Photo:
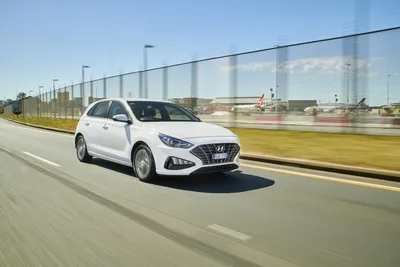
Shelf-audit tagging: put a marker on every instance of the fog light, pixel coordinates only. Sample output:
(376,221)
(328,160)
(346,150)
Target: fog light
(173,163)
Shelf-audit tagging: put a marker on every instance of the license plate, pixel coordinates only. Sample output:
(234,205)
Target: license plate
(220,156)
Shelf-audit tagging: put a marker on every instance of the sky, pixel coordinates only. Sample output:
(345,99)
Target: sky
(45,40)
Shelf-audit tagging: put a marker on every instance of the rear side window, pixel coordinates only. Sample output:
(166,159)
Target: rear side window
(100,110)
(90,112)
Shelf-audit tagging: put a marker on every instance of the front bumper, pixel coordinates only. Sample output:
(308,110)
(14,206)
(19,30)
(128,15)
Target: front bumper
(188,163)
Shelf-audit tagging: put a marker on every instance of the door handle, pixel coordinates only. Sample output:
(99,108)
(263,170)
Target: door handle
(87,124)
(105,127)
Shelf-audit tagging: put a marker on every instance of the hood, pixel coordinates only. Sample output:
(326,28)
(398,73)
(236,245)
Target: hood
(183,130)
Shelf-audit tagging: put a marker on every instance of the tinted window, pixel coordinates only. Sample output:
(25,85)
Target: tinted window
(101,109)
(116,109)
(90,113)
(160,111)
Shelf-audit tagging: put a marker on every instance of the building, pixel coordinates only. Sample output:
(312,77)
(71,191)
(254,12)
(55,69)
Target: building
(247,100)
(190,102)
(300,105)
(63,98)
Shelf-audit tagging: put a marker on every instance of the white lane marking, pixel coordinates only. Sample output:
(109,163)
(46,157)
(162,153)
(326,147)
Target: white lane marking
(229,232)
(39,131)
(326,178)
(42,159)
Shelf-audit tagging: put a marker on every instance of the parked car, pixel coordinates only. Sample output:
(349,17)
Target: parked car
(155,138)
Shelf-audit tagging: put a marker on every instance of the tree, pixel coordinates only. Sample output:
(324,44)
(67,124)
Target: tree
(21,95)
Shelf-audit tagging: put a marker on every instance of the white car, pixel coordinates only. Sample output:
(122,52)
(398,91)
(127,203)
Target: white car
(155,138)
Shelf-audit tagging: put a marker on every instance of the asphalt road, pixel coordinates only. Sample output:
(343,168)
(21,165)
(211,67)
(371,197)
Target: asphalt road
(55,211)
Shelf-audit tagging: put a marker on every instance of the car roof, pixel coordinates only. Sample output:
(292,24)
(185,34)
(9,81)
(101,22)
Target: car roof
(132,99)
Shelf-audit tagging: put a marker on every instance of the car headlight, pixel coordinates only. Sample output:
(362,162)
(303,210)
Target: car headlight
(174,142)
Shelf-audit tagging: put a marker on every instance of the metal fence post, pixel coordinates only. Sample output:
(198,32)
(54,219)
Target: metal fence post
(49,110)
(59,102)
(105,87)
(41,99)
(91,91)
(54,103)
(277,78)
(47,104)
(349,66)
(193,87)
(22,108)
(140,84)
(81,94)
(73,100)
(233,81)
(37,106)
(145,83)
(121,85)
(65,102)
(281,81)
(165,82)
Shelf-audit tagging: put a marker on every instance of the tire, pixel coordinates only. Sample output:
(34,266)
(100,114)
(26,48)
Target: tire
(143,164)
(81,150)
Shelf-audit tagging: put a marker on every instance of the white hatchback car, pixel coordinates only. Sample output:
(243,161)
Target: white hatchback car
(154,137)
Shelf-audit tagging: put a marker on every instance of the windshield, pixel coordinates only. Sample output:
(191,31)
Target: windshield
(160,111)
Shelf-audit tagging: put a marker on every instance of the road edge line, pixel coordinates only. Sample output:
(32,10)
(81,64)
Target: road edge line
(392,176)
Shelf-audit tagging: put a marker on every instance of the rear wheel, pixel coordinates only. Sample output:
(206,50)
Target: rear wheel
(143,163)
(81,150)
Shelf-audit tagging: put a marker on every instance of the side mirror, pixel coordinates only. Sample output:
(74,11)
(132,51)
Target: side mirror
(121,118)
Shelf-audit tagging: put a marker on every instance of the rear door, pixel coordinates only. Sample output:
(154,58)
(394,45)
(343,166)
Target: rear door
(95,123)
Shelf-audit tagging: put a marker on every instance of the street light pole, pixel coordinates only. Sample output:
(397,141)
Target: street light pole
(388,96)
(145,47)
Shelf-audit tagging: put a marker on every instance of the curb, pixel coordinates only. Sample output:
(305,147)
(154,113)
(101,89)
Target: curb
(299,163)
(393,176)
(40,127)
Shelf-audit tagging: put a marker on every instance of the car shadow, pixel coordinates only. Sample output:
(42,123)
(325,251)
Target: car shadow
(112,166)
(215,183)
(208,183)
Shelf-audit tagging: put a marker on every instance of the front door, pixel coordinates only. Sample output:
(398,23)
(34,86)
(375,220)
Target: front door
(117,135)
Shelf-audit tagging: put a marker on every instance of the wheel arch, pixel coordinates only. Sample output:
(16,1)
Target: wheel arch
(138,143)
(76,138)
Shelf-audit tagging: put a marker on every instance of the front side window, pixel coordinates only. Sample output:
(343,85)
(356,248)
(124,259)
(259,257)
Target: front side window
(101,109)
(116,109)
(160,111)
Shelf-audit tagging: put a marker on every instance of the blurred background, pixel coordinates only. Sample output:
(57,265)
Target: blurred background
(331,64)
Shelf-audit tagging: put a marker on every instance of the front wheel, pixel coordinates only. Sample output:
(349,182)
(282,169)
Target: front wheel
(81,150)
(143,163)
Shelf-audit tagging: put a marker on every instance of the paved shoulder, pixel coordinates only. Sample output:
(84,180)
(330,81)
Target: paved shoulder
(46,224)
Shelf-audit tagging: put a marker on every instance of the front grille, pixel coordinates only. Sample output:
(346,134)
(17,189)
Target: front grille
(216,169)
(205,152)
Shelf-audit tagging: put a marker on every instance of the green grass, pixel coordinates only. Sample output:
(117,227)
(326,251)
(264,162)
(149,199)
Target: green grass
(47,122)
(356,150)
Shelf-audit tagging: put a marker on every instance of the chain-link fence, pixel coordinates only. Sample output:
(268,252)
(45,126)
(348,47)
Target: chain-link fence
(321,83)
